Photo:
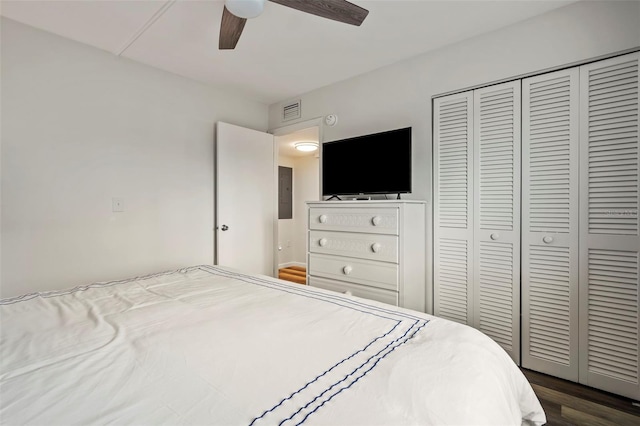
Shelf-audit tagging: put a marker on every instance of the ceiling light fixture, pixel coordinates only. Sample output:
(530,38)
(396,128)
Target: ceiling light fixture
(306,146)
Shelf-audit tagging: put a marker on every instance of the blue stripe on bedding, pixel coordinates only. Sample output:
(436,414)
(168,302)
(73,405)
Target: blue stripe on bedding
(322,374)
(388,349)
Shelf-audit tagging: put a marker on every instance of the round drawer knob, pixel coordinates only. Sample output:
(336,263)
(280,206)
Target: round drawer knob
(322,242)
(494,236)
(376,220)
(347,270)
(375,247)
(323,218)
(547,239)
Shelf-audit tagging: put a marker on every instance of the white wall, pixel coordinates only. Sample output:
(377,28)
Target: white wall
(80,126)
(400,94)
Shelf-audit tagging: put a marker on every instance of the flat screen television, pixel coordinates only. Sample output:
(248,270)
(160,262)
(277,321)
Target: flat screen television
(378,163)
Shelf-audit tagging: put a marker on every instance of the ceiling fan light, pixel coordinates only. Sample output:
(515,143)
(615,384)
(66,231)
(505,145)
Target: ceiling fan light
(245,8)
(306,146)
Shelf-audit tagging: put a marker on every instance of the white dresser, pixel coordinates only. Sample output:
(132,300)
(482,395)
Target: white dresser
(372,249)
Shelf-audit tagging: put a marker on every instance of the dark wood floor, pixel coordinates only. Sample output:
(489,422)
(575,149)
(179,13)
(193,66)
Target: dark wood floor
(566,403)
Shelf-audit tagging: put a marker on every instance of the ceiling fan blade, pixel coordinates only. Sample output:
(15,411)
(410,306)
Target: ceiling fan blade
(338,10)
(230,30)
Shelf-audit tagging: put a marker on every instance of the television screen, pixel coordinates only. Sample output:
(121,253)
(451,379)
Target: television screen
(379,163)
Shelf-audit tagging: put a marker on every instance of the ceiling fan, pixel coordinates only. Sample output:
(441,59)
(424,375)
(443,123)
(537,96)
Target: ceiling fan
(236,13)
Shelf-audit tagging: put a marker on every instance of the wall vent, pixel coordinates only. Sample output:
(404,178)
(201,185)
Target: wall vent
(291,111)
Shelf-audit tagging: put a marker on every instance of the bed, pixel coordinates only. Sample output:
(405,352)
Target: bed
(211,345)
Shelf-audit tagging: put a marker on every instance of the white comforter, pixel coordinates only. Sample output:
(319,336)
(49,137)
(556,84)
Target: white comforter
(208,345)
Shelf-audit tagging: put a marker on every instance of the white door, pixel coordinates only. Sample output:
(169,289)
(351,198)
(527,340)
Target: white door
(550,108)
(246,196)
(496,219)
(609,225)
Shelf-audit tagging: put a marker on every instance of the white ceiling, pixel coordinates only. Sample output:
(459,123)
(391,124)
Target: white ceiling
(283,52)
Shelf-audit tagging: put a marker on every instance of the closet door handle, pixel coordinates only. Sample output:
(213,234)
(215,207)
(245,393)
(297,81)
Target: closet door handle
(547,239)
(347,270)
(494,236)
(323,218)
(322,242)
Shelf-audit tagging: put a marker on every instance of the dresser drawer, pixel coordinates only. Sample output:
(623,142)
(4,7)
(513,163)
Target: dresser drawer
(378,221)
(365,246)
(368,272)
(371,293)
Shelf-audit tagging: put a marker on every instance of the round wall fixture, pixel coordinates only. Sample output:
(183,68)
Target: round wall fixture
(331,120)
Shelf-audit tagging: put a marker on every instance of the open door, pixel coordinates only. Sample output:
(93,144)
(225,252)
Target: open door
(246,196)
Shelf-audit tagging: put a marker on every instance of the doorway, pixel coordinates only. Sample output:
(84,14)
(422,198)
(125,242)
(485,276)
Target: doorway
(305,166)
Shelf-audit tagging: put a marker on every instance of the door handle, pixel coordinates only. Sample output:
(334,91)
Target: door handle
(224,227)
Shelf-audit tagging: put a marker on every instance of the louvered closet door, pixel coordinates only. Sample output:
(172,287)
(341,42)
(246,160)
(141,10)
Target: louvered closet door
(550,108)
(497,214)
(609,228)
(453,226)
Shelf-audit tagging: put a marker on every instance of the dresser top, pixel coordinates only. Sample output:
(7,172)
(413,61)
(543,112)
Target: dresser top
(365,202)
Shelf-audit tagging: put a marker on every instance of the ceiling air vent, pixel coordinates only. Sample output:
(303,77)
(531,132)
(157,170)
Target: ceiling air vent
(291,111)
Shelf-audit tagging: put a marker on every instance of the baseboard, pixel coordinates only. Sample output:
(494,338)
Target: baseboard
(287,264)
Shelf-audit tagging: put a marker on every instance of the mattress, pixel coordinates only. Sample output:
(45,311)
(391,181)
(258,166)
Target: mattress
(211,345)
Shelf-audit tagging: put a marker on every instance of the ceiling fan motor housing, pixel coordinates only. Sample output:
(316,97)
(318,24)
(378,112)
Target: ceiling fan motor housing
(245,8)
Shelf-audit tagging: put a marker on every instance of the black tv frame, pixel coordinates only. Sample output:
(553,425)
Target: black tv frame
(364,139)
